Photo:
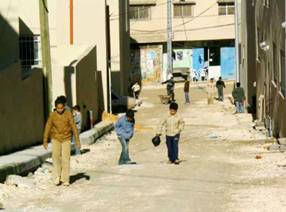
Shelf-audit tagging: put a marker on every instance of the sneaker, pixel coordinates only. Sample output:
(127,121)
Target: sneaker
(57,181)
(66,184)
(177,162)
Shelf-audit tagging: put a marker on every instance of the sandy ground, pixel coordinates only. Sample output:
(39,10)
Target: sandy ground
(219,169)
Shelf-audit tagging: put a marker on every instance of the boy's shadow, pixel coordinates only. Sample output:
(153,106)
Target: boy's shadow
(76,177)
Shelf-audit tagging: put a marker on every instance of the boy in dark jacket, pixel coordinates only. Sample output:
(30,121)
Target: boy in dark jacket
(124,129)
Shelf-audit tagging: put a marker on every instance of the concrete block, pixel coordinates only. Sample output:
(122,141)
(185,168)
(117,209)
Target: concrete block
(90,136)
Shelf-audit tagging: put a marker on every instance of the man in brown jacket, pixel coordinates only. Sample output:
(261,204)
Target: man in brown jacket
(59,128)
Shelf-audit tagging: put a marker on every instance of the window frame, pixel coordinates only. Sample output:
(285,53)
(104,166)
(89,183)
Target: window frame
(226,6)
(191,4)
(146,8)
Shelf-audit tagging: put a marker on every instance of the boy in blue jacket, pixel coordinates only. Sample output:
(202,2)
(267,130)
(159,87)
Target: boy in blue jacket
(124,129)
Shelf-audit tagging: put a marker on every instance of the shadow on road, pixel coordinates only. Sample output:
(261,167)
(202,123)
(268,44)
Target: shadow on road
(76,177)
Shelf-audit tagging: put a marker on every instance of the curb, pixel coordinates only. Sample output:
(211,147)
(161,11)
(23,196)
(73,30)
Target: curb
(90,136)
(22,162)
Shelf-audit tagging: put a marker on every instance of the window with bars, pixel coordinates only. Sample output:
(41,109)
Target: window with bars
(29,47)
(140,12)
(183,10)
(266,3)
(226,8)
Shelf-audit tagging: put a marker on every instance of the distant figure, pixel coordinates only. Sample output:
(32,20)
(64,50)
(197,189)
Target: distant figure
(59,128)
(170,87)
(172,125)
(211,91)
(136,90)
(124,129)
(220,85)
(203,74)
(77,119)
(187,90)
(239,98)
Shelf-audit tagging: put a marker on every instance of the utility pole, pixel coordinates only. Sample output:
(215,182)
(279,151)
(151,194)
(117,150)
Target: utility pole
(46,56)
(169,38)
(236,17)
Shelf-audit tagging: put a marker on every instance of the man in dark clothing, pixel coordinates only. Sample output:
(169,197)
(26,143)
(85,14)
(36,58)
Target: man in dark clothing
(170,87)
(239,98)
(187,90)
(220,85)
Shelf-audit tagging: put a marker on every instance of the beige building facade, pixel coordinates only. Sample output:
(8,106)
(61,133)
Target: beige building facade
(79,54)
(207,24)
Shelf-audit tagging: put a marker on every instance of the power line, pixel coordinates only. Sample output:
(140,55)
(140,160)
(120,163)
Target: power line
(188,30)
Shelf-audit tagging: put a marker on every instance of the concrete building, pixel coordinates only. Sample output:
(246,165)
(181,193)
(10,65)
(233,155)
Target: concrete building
(263,61)
(247,49)
(119,30)
(203,35)
(80,56)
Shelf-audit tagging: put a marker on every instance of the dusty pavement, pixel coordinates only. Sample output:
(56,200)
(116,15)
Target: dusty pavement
(219,169)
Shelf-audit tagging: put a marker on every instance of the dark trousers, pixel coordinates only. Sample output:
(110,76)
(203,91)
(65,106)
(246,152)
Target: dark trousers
(173,147)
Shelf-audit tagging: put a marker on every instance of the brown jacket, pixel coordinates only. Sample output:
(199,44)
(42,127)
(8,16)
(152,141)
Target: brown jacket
(61,127)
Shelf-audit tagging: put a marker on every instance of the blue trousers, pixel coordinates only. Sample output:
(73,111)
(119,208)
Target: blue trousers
(124,156)
(239,107)
(173,147)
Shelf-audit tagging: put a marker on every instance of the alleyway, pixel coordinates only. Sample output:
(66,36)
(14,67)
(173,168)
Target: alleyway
(219,169)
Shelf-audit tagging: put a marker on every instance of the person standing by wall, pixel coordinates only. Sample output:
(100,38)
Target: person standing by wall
(239,98)
(187,90)
(59,128)
(77,119)
(211,91)
(220,85)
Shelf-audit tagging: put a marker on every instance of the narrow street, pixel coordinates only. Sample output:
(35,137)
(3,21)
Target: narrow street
(219,169)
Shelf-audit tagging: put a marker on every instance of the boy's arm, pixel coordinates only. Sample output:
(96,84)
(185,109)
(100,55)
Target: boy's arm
(74,130)
(181,124)
(160,127)
(47,131)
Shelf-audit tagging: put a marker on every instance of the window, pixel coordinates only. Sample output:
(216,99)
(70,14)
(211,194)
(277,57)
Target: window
(140,12)
(29,46)
(183,10)
(266,3)
(226,8)
(282,71)
(274,61)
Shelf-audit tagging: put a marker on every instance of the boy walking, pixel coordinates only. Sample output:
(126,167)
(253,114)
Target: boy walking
(59,129)
(124,129)
(173,125)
